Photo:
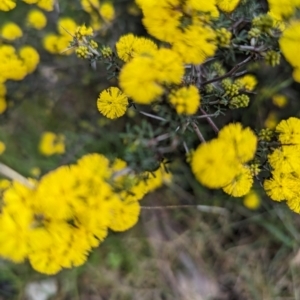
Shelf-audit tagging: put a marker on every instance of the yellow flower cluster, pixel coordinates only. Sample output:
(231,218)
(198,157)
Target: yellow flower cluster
(51,143)
(143,77)
(285,163)
(55,223)
(58,43)
(183,24)
(221,163)
(99,12)
(15,66)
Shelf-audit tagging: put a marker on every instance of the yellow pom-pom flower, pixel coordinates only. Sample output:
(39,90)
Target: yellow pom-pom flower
(289,131)
(47,5)
(30,58)
(142,77)
(107,11)
(247,82)
(125,214)
(186,100)
(51,144)
(112,103)
(130,46)
(227,6)
(6,5)
(36,19)
(240,184)
(244,141)
(11,31)
(252,200)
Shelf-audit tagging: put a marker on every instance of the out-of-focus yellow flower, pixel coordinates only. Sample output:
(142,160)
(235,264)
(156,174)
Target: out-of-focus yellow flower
(142,77)
(35,171)
(6,5)
(52,143)
(129,46)
(240,184)
(90,5)
(47,5)
(107,11)
(227,5)
(280,100)
(252,200)
(30,1)
(11,31)
(247,82)
(2,147)
(271,120)
(289,45)
(30,58)
(186,100)
(67,26)
(4,184)
(36,19)
(125,215)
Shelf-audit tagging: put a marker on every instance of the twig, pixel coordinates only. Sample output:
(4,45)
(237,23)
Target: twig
(151,116)
(198,132)
(232,71)
(203,208)
(206,116)
(13,175)
(210,121)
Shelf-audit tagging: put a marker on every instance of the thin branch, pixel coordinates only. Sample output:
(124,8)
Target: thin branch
(151,116)
(203,208)
(13,175)
(206,116)
(198,132)
(231,72)
(210,121)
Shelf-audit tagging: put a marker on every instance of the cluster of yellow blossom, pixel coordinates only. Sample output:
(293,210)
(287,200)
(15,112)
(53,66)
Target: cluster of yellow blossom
(143,77)
(51,143)
(222,162)
(48,5)
(56,221)
(285,163)
(15,65)
(58,43)
(99,12)
(183,24)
